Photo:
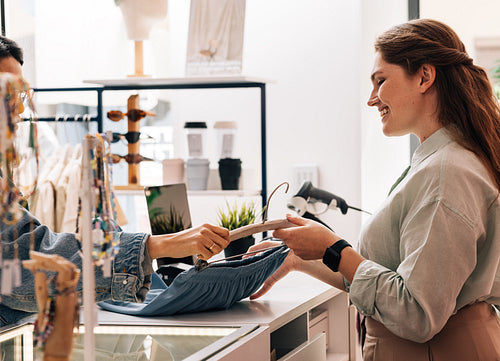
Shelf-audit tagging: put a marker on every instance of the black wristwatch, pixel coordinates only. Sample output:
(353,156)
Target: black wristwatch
(331,258)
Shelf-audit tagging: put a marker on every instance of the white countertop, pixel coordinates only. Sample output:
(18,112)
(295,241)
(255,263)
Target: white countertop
(290,297)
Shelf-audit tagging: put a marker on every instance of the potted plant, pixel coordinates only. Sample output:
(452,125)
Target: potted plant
(234,217)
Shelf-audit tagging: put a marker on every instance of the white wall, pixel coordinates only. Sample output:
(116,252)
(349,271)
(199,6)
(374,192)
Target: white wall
(310,50)
(472,19)
(383,158)
(310,53)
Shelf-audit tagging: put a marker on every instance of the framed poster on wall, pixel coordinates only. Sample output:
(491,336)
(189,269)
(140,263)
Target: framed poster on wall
(215,40)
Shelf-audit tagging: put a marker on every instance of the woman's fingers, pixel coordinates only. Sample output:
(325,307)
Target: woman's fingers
(263,290)
(215,235)
(288,265)
(261,245)
(299,221)
(212,241)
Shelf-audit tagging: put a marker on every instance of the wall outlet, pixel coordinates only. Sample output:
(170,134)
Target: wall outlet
(305,172)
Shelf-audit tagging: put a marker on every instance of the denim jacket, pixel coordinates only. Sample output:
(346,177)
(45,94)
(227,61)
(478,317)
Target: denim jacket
(131,271)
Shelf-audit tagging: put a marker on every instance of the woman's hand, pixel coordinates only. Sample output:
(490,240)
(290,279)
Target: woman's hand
(291,263)
(204,241)
(308,241)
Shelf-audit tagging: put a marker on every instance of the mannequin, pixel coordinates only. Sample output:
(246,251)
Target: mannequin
(139,17)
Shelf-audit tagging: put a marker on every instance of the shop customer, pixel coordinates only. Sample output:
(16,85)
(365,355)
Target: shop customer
(132,267)
(426,273)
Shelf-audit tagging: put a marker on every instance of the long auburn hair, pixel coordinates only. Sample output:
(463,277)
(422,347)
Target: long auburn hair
(465,96)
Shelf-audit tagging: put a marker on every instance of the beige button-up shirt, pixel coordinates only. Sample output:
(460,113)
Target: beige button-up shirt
(433,247)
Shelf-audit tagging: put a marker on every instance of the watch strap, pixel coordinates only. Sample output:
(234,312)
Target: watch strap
(331,258)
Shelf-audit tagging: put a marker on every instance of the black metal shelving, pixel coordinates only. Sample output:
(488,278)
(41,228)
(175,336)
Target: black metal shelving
(180,83)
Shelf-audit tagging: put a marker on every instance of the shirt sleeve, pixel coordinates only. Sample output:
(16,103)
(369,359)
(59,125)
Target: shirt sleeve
(438,252)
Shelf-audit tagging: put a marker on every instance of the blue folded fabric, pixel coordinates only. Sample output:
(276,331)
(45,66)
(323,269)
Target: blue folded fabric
(216,287)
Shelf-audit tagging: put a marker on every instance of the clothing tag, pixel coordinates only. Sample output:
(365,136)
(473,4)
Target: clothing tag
(106,267)
(4,143)
(6,287)
(16,272)
(97,236)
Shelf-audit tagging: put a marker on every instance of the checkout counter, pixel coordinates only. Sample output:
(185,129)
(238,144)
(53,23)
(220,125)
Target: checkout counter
(300,318)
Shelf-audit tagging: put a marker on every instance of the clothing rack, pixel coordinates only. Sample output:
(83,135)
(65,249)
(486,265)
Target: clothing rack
(74,118)
(81,118)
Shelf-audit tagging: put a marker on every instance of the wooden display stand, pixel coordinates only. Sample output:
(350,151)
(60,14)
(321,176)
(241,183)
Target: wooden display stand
(134,174)
(139,60)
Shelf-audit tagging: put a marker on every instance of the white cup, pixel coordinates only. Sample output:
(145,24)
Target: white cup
(226,132)
(197,170)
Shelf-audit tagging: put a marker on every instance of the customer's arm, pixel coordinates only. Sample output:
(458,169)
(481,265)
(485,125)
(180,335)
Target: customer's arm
(131,271)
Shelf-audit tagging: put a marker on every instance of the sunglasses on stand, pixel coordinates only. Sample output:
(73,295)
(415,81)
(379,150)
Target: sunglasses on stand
(129,158)
(133,115)
(130,137)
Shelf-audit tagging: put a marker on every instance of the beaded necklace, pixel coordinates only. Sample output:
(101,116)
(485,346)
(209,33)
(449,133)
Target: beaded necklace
(104,235)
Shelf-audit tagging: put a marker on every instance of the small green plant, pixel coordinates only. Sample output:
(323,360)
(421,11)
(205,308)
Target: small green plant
(165,224)
(235,217)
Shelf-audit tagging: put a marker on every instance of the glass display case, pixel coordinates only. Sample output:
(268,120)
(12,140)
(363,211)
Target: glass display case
(16,343)
(138,343)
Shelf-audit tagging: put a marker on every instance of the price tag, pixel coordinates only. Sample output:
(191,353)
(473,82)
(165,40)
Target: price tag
(97,236)
(106,267)
(16,272)
(6,287)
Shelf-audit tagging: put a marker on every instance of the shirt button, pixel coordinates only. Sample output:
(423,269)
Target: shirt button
(124,282)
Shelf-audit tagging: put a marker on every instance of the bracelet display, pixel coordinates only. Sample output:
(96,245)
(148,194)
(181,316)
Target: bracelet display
(331,258)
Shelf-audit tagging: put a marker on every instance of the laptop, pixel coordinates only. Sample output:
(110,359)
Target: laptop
(168,212)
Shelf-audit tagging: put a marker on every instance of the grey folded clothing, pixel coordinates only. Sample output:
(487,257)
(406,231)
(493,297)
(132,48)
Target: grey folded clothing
(216,287)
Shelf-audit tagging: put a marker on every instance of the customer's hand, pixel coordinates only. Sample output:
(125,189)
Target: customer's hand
(310,240)
(204,241)
(291,263)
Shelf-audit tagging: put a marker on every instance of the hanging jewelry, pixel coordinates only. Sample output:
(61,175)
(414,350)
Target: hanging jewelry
(105,238)
(11,106)
(42,331)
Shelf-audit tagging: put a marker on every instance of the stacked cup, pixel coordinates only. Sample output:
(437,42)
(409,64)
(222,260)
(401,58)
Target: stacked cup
(197,164)
(229,167)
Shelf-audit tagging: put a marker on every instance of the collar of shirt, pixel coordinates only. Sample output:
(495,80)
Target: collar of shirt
(431,145)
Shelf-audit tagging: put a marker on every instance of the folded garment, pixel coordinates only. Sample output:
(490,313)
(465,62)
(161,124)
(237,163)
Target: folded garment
(216,287)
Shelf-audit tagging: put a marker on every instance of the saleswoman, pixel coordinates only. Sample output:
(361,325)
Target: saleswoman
(426,274)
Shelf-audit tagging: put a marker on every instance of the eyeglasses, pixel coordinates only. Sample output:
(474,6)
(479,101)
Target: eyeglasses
(129,158)
(131,137)
(133,115)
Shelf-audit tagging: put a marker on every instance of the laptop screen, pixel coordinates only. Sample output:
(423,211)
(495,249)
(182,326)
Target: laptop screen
(168,212)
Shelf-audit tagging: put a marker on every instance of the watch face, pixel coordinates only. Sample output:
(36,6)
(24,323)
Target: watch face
(331,259)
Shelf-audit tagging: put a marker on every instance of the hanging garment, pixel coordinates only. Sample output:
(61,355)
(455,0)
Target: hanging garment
(67,193)
(48,144)
(216,287)
(45,202)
